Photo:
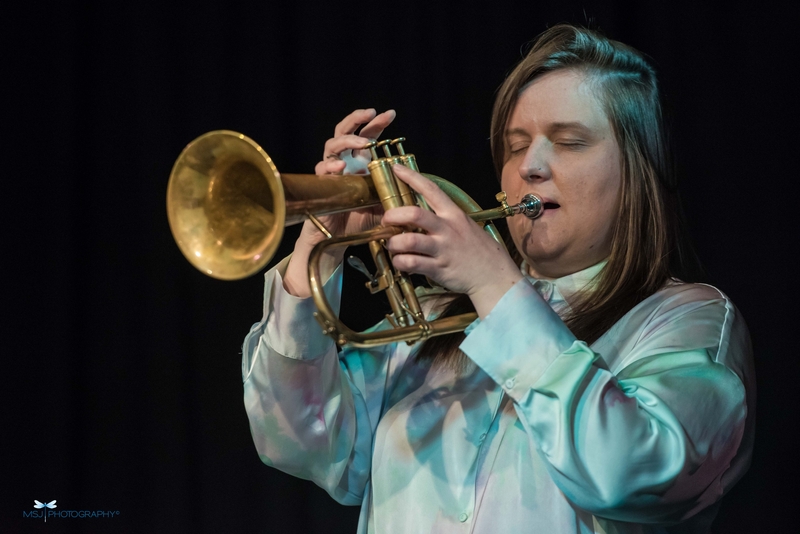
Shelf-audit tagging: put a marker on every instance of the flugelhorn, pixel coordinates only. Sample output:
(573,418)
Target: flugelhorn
(227,206)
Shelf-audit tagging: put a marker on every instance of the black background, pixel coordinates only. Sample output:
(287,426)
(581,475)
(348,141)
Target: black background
(121,376)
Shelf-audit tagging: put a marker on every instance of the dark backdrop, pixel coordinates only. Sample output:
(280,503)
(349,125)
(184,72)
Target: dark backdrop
(121,363)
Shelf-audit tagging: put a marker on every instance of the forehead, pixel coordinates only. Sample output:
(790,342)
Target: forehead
(562,96)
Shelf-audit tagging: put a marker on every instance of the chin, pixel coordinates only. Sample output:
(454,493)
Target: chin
(537,249)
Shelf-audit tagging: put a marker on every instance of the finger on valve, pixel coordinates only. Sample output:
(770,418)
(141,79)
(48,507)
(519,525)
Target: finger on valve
(336,145)
(435,197)
(344,153)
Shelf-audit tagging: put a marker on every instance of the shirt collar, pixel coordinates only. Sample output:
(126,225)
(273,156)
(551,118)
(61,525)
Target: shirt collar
(561,290)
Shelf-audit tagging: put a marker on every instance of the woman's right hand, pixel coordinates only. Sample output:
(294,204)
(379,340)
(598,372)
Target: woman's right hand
(343,154)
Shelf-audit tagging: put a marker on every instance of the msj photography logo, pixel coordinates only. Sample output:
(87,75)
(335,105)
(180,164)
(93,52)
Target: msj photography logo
(48,509)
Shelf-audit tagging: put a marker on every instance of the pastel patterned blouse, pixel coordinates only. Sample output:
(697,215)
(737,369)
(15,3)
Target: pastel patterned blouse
(642,431)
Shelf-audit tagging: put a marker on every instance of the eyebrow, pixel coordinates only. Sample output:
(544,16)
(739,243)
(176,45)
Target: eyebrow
(516,131)
(575,125)
(554,128)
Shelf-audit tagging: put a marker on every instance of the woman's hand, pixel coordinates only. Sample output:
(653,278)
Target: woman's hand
(454,250)
(343,154)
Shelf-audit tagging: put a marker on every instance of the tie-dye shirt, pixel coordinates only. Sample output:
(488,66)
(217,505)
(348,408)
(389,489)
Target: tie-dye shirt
(641,432)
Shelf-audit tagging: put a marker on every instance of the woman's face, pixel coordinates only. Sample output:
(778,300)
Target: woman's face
(561,147)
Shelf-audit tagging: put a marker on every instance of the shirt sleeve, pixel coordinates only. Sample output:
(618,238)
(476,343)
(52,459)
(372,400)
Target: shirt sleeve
(649,441)
(312,411)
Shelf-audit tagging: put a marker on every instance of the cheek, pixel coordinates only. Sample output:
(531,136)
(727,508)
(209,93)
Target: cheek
(609,196)
(601,192)
(510,182)
(603,215)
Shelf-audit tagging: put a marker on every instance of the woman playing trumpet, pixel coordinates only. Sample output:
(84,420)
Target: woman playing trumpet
(596,392)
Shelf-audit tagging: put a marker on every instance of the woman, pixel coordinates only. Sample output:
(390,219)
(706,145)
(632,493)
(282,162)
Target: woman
(595,393)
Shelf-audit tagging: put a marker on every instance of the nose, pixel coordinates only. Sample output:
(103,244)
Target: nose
(534,165)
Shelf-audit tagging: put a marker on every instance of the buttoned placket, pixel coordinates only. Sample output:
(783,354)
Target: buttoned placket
(487,451)
(502,415)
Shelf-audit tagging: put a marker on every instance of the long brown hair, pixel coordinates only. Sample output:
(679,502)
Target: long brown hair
(645,250)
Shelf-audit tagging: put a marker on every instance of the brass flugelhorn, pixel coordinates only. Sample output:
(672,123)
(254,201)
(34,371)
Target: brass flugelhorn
(227,206)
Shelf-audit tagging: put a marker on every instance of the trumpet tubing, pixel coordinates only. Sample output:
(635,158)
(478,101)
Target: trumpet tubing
(228,205)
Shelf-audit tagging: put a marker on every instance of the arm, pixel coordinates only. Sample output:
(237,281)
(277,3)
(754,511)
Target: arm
(311,415)
(641,427)
(655,437)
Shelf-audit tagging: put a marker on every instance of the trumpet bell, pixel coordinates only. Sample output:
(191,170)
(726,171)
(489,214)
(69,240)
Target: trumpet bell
(225,205)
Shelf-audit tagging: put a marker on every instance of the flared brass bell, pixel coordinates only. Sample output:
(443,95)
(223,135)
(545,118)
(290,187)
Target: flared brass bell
(227,204)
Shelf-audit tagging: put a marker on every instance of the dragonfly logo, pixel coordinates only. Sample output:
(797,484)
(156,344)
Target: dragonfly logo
(51,505)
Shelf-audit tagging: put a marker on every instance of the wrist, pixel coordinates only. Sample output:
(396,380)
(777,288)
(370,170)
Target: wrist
(486,296)
(295,280)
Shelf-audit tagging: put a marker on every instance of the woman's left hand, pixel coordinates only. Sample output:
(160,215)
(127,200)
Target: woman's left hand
(454,251)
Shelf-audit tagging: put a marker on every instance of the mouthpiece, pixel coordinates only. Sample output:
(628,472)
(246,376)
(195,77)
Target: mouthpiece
(530,206)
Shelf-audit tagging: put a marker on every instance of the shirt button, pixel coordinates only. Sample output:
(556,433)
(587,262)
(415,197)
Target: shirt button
(510,383)
(463,517)
(482,437)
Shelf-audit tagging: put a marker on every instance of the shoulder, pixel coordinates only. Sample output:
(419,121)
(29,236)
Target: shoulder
(684,303)
(702,311)
(678,291)
(681,317)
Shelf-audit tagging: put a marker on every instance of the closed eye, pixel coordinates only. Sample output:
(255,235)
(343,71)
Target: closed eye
(571,145)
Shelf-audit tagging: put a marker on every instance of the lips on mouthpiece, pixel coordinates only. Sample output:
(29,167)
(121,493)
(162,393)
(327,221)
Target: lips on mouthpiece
(551,205)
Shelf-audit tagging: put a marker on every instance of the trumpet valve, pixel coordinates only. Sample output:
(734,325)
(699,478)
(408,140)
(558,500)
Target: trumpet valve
(385,145)
(372,147)
(399,145)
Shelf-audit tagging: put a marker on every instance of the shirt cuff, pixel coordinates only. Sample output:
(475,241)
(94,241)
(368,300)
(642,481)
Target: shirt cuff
(292,330)
(518,340)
